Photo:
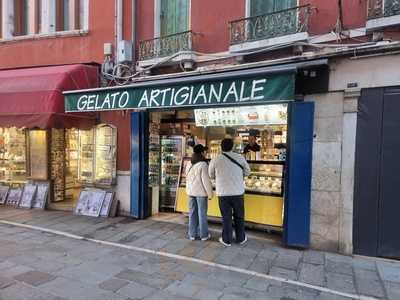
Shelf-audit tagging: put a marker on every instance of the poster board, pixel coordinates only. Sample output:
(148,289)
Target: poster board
(3,193)
(90,202)
(28,195)
(41,196)
(107,204)
(14,196)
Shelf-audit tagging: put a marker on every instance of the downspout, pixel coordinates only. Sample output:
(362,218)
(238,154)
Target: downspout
(133,37)
(119,18)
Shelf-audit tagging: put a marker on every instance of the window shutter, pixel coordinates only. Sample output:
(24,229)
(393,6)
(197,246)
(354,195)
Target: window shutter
(261,7)
(174,16)
(284,4)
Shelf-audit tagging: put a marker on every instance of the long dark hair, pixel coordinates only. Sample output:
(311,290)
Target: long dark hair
(197,157)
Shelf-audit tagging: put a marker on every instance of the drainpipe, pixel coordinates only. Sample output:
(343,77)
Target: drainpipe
(118,25)
(133,37)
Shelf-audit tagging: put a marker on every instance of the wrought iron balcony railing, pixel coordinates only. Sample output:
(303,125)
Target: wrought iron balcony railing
(383,8)
(166,45)
(276,24)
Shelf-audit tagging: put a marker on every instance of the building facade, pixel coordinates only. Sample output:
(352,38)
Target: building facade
(343,52)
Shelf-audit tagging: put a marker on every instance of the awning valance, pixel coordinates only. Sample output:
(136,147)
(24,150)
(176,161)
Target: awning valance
(32,97)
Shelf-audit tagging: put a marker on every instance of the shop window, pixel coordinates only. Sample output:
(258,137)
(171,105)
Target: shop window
(106,146)
(174,16)
(38,154)
(13,148)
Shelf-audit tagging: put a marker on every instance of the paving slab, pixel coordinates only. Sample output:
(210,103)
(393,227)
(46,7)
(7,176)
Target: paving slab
(35,278)
(113,284)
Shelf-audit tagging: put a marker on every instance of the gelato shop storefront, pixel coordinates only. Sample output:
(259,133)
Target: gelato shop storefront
(256,107)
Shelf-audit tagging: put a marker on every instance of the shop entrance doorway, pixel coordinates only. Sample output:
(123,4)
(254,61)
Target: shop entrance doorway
(376,204)
(260,134)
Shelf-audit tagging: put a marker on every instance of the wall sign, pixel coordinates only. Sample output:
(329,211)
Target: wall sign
(249,90)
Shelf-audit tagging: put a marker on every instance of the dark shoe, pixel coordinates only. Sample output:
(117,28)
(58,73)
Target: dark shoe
(223,243)
(244,241)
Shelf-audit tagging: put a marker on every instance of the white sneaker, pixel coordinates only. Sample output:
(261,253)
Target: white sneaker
(206,238)
(192,238)
(244,241)
(223,243)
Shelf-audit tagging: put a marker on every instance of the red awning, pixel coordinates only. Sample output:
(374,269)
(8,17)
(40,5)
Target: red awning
(32,98)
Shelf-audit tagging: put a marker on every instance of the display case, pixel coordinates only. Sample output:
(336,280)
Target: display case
(266,177)
(154,160)
(86,156)
(106,149)
(13,164)
(171,158)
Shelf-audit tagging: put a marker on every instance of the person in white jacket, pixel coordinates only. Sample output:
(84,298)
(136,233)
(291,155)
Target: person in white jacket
(199,190)
(229,169)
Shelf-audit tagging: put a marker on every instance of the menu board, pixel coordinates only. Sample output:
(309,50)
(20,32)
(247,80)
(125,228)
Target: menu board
(3,193)
(90,202)
(14,196)
(28,196)
(242,115)
(38,154)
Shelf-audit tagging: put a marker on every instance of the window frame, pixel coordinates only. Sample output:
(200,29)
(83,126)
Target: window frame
(248,7)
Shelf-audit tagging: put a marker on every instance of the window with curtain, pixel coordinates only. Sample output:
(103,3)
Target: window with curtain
(1,19)
(261,7)
(67,15)
(174,15)
(21,17)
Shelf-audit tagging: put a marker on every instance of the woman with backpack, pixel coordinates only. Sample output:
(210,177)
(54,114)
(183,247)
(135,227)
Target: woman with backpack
(199,190)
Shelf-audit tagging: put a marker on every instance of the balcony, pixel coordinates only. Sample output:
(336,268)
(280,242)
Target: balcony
(383,13)
(179,47)
(285,26)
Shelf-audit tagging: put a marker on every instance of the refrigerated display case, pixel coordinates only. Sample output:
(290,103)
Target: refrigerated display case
(266,178)
(86,156)
(154,160)
(172,149)
(106,149)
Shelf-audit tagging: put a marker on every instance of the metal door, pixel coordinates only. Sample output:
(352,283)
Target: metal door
(296,231)
(389,200)
(376,200)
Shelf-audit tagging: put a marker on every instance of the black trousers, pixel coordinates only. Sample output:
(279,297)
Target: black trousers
(229,205)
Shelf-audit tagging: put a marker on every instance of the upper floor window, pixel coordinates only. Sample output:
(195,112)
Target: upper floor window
(21,17)
(174,16)
(262,7)
(26,17)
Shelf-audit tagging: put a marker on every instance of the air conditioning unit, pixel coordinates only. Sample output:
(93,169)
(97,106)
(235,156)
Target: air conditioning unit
(124,51)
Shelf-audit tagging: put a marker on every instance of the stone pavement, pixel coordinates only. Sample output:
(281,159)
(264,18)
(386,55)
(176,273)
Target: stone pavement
(41,265)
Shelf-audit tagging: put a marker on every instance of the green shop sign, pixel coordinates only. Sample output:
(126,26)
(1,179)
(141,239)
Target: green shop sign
(249,90)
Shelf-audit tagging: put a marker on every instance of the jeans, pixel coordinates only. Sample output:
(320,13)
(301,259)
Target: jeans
(227,205)
(198,225)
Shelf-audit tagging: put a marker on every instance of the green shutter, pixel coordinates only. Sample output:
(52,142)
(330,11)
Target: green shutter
(284,4)
(261,7)
(174,16)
